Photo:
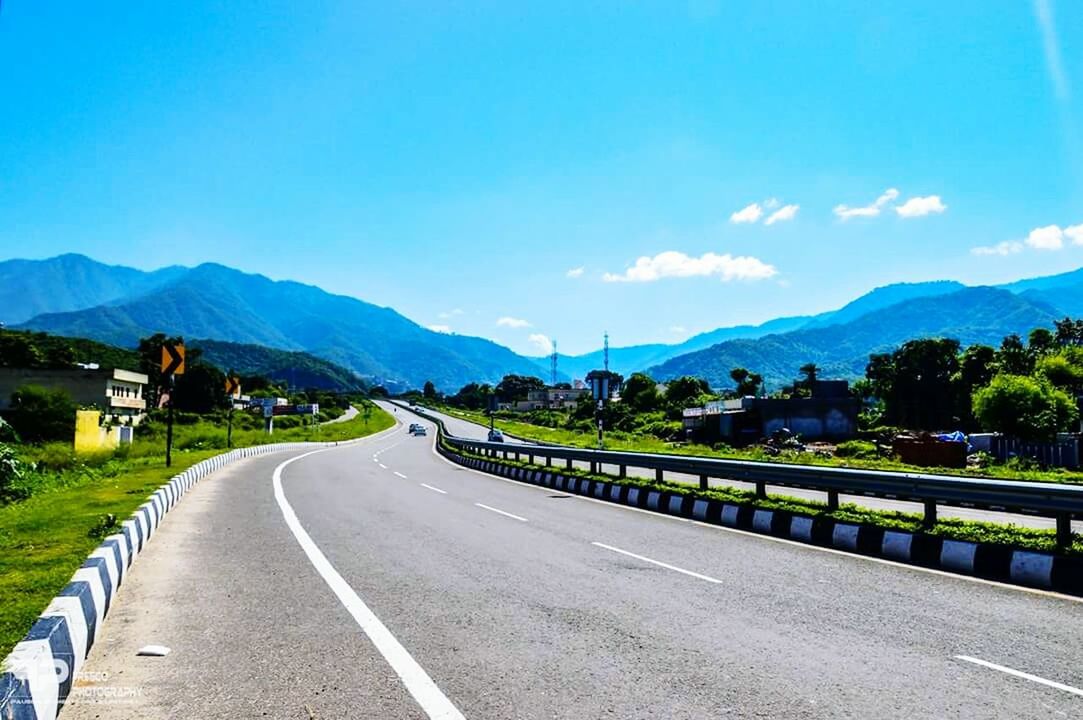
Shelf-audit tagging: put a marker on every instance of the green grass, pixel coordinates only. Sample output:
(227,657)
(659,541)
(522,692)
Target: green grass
(950,528)
(633,442)
(45,537)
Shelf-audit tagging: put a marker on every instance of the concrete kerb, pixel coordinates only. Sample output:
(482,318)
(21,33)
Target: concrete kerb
(985,560)
(37,676)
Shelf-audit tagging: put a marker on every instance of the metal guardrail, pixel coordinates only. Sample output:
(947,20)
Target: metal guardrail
(1060,501)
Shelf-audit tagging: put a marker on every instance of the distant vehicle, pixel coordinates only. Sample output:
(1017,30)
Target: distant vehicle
(413,426)
(496,436)
(419,431)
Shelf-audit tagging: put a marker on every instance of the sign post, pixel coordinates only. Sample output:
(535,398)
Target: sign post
(172,365)
(233,391)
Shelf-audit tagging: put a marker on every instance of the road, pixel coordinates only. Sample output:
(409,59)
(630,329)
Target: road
(467,429)
(378,580)
(350,414)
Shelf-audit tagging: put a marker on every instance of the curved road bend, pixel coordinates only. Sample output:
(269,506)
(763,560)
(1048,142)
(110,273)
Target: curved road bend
(447,593)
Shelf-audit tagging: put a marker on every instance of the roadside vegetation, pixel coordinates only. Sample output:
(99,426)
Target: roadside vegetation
(56,506)
(949,528)
(1025,388)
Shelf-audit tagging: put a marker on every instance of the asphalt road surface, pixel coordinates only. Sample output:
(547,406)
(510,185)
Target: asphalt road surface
(378,580)
(467,429)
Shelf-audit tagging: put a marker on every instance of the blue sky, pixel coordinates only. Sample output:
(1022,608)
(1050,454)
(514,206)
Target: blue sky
(457,162)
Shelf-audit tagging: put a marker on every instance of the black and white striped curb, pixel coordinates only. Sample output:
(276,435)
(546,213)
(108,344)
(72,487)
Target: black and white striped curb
(986,560)
(36,678)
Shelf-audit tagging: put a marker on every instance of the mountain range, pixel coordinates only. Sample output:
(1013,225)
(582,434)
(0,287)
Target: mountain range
(76,296)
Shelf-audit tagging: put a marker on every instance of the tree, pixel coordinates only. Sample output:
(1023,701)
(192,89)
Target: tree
(640,392)
(41,414)
(1040,341)
(686,391)
(515,387)
(1063,370)
(915,383)
(810,372)
(429,391)
(1013,358)
(1068,331)
(748,383)
(1025,407)
(977,365)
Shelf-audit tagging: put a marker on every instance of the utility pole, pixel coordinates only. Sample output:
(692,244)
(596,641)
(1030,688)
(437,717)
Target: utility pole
(169,424)
(606,349)
(553,366)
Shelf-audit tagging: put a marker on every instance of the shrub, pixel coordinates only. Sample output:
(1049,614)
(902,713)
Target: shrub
(1026,407)
(11,472)
(39,414)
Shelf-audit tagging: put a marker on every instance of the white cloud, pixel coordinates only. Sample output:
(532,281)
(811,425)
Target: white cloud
(676,264)
(1050,237)
(784,213)
(541,342)
(1075,234)
(575,272)
(448,314)
(771,203)
(1008,247)
(440,329)
(512,322)
(920,206)
(845,212)
(1044,10)
(749,214)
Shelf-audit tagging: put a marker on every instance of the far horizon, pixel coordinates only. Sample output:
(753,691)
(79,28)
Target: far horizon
(615,343)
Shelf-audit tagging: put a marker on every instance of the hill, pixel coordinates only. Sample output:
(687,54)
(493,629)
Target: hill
(292,368)
(70,282)
(970,315)
(213,301)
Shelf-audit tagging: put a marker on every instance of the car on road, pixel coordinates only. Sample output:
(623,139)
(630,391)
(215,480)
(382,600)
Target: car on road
(496,436)
(417,429)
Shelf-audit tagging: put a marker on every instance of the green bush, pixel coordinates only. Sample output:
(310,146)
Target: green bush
(39,414)
(11,472)
(1027,407)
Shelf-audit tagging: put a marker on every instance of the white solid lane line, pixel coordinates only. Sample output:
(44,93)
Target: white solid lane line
(659,564)
(400,475)
(434,489)
(1020,674)
(383,466)
(507,514)
(431,699)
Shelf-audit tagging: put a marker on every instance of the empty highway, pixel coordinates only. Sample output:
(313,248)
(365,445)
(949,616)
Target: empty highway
(377,580)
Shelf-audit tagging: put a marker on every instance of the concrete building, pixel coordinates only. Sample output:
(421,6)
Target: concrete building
(119,394)
(551,399)
(830,414)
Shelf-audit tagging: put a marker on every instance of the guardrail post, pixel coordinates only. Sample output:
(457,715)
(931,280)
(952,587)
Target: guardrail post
(568,464)
(761,489)
(930,513)
(548,461)
(593,467)
(658,475)
(516,456)
(623,472)
(702,482)
(1064,531)
(530,458)
(832,500)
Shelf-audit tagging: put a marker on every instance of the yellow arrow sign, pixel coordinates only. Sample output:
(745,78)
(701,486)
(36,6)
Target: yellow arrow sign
(233,386)
(173,359)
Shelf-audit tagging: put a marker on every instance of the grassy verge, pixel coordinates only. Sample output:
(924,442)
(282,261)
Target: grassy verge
(46,536)
(645,443)
(950,528)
